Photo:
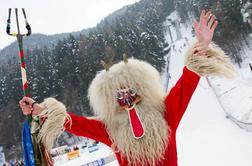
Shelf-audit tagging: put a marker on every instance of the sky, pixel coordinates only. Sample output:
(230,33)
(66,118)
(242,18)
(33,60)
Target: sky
(56,16)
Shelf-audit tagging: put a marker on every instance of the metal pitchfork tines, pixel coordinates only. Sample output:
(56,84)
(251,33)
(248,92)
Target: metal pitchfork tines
(28,27)
(19,37)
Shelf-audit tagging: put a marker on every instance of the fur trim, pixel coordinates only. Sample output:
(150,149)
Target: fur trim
(55,116)
(143,77)
(215,63)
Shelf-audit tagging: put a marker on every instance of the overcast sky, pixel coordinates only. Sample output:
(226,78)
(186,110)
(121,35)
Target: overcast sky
(56,16)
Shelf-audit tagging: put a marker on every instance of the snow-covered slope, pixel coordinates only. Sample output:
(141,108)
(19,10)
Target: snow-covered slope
(205,137)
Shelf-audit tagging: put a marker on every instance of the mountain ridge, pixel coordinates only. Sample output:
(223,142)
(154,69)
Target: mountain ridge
(39,40)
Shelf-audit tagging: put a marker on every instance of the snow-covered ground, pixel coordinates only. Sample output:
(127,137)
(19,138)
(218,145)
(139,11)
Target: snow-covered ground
(205,136)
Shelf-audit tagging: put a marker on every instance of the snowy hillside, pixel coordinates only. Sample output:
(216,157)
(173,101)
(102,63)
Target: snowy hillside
(205,136)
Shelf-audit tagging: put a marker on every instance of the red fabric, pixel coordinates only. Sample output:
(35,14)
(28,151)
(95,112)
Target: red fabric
(176,103)
(136,124)
(21,54)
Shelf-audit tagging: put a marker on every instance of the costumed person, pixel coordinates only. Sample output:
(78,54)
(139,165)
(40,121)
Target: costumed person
(134,116)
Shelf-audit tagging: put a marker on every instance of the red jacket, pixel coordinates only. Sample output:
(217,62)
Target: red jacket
(176,103)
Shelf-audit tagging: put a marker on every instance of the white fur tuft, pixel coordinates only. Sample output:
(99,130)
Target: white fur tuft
(56,116)
(215,63)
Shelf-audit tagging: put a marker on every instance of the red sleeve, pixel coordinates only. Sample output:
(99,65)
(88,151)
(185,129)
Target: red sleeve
(179,97)
(90,128)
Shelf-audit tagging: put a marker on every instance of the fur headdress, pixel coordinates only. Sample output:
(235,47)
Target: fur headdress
(140,75)
(146,81)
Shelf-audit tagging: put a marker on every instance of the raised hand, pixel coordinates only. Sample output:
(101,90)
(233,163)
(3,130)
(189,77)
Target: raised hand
(30,107)
(204,30)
